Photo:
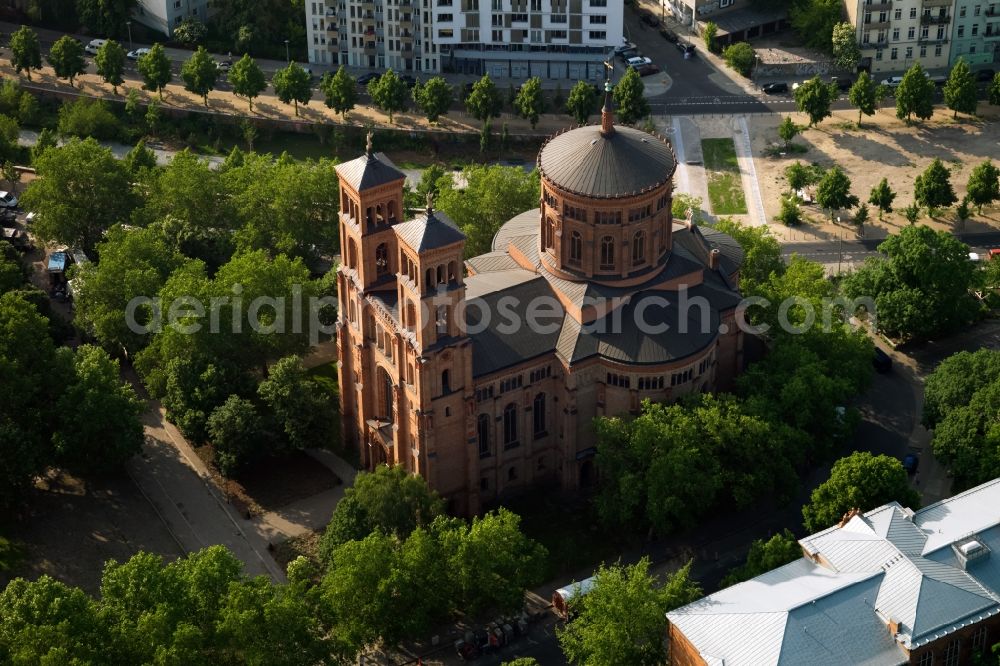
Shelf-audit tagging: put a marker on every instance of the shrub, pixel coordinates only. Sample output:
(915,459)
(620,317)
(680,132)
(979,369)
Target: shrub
(89,118)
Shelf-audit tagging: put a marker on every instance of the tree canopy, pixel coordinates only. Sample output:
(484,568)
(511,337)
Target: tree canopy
(154,67)
(844,43)
(434,97)
(933,187)
(484,100)
(834,191)
(293,84)
(960,92)
(200,74)
(66,58)
(389,93)
(864,95)
(340,91)
(582,102)
(764,556)
(530,102)
(630,100)
(814,98)
(247,79)
(110,62)
(25,51)
(915,94)
(984,185)
(740,57)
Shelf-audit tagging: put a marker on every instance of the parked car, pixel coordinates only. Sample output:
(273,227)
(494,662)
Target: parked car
(985,75)
(646,70)
(669,35)
(893,81)
(685,48)
(775,87)
(638,61)
(7,200)
(365,79)
(650,19)
(995,253)
(843,83)
(624,47)
(911,462)
(408,80)
(94,46)
(881,361)
(627,54)
(939,81)
(224,65)
(136,54)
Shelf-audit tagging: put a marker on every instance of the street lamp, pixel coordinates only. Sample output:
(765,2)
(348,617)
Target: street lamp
(128,24)
(287,57)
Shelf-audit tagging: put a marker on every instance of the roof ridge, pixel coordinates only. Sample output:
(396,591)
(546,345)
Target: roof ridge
(946,500)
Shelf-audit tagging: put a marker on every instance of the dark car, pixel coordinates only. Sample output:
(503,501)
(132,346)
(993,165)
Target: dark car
(646,70)
(775,87)
(408,80)
(650,19)
(985,75)
(882,361)
(669,35)
(910,463)
(365,79)
(685,48)
(628,53)
(843,83)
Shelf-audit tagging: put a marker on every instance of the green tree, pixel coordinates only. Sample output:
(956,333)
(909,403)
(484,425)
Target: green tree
(622,620)
(740,57)
(9,134)
(994,91)
(764,556)
(761,253)
(859,481)
(492,195)
(863,95)
(984,185)
(98,427)
(882,197)
(966,439)
(292,84)
(708,33)
(47,138)
(80,192)
(530,102)
(963,211)
(388,93)
(630,99)
(960,93)
(200,74)
(912,213)
(484,101)
(844,42)
(434,98)
(955,381)
(814,98)
(933,187)
(920,283)
(582,102)
(815,22)
(834,191)
(190,31)
(861,216)
(110,62)
(788,130)
(302,408)
(790,213)
(105,17)
(25,52)
(389,500)
(66,58)
(247,79)
(800,175)
(140,160)
(915,94)
(522,661)
(340,91)
(87,117)
(45,621)
(235,430)
(154,68)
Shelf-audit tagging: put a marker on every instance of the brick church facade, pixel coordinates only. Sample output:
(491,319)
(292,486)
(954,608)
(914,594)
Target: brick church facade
(484,375)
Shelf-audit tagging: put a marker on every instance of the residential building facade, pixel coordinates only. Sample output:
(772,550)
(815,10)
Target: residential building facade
(557,39)
(976,33)
(164,15)
(737,20)
(485,376)
(895,34)
(888,587)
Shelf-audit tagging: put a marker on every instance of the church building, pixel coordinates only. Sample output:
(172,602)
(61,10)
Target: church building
(484,375)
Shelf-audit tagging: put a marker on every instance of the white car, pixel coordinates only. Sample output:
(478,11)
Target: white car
(638,61)
(7,200)
(94,46)
(624,47)
(138,53)
(892,81)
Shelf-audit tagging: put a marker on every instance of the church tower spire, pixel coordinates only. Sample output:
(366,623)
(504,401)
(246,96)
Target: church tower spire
(607,112)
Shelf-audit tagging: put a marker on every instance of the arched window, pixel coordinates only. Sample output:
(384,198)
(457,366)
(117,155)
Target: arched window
(538,415)
(441,319)
(483,434)
(353,312)
(575,247)
(510,426)
(382,259)
(440,274)
(639,248)
(549,233)
(345,203)
(452,272)
(352,254)
(411,316)
(445,382)
(607,253)
(392,212)
(368,215)
(429,282)
(379,219)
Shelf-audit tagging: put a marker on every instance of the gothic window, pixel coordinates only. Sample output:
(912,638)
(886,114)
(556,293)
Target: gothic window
(352,255)
(382,259)
(510,426)
(575,247)
(483,433)
(607,253)
(445,382)
(639,248)
(549,234)
(441,320)
(538,414)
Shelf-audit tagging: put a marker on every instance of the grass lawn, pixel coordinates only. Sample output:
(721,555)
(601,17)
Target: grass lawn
(725,189)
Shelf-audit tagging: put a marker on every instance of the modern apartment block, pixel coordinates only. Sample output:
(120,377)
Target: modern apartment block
(976,35)
(895,34)
(164,15)
(556,39)
(737,20)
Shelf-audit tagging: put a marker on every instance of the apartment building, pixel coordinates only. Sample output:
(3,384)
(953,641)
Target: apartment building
(895,34)
(555,39)
(976,33)
(164,15)
(737,20)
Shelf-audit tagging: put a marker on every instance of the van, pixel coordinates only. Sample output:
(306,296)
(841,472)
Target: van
(892,81)
(565,596)
(94,46)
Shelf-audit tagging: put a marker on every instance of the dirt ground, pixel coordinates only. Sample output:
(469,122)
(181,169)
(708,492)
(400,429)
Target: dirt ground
(70,529)
(884,147)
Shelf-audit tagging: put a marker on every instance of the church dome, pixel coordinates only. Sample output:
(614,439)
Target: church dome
(606,165)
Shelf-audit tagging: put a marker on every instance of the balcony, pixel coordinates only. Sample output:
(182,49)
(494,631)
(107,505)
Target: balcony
(934,20)
(992,11)
(369,49)
(877,7)
(992,34)
(406,21)
(406,48)
(368,6)
(877,25)
(406,37)
(938,3)
(933,40)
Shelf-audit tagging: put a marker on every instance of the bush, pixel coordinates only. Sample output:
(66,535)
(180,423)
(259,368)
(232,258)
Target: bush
(790,213)
(740,57)
(89,118)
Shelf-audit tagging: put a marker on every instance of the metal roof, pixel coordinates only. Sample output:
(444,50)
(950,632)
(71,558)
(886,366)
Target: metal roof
(429,230)
(621,164)
(368,171)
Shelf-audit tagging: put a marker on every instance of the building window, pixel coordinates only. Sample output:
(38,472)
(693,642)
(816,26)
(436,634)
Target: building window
(598,19)
(484,483)
(926,659)
(911,33)
(512,474)
(898,15)
(937,51)
(575,247)
(961,31)
(598,34)
(979,638)
(510,426)
(975,29)
(538,415)
(895,34)
(382,259)
(909,52)
(607,253)
(639,248)
(446,382)
(894,54)
(923,51)
(913,12)
(441,320)
(483,433)
(952,652)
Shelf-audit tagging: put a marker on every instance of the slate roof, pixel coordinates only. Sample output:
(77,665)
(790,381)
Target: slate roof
(876,567)
(428,231)
(624,163)
(369,170)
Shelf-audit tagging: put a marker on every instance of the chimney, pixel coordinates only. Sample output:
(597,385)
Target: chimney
(847,516)
(713,259)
